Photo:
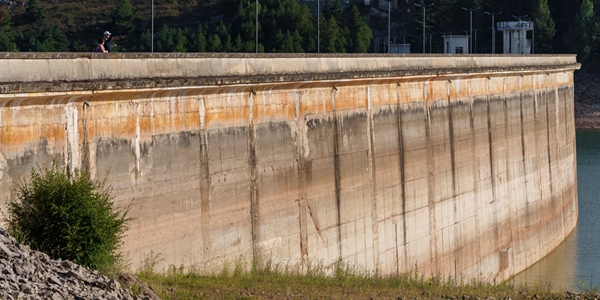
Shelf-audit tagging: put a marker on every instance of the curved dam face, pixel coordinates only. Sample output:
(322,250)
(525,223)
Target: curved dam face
(460,166)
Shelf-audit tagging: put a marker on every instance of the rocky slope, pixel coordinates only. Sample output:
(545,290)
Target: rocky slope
(27,274)
(587,100)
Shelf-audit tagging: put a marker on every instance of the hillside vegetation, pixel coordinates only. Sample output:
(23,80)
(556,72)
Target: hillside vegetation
(561,26)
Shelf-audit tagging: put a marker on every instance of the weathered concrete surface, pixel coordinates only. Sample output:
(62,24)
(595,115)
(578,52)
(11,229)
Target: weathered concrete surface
(457,165)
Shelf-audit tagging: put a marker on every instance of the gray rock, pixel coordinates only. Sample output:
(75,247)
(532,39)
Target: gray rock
(5,252)
(27,289)
(27,274)
(67,264)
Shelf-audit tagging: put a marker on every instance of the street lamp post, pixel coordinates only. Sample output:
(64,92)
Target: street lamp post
(152,34)
(532,37)
(389,27)
(471,10)
(256,29)
(493,29)
(424,6)
(318,26)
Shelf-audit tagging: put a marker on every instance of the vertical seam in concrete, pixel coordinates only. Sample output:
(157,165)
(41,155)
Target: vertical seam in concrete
(571,122)
(523,140)
(476,175)
(562,187)
(302,209)
(523,156)
(253,179)
(490,146)
(553,196)
(137,140)
(204,182)
(85,149)
(402,175)
(492,169)
(336,162)
(430,185)
(548,148)
(510,200)
(72,134)
(372,179)
(453,165)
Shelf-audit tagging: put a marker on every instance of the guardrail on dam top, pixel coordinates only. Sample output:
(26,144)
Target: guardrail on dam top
(456,165)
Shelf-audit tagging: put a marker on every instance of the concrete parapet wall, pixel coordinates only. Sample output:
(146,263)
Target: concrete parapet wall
(391,164)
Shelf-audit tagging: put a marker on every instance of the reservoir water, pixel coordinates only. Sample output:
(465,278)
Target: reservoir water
(575,264)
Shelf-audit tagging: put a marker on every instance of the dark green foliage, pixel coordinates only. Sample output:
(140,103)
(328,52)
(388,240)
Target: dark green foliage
(67,216)
(35,11)
(198,40)
(583,36)
(360,33)
(123,18)
(48,39)
(544,27)
(7,33)
(145,42)
(291,25)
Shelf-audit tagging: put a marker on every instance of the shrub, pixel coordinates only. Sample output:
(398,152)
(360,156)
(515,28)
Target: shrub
(68,216)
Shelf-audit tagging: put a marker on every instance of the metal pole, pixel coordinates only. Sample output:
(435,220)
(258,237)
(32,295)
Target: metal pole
(471,26)
(424,6)
(493,14)
(256,29)
(389,27)
(318,26)
(423,28)
(532,38)
(470,31)
(152,34)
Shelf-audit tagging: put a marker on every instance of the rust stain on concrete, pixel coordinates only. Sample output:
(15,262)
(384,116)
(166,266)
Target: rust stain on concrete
(461,170)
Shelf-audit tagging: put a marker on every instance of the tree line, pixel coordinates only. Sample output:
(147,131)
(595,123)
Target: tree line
(561,26)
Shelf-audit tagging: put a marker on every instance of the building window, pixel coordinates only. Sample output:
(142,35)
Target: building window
(459,50)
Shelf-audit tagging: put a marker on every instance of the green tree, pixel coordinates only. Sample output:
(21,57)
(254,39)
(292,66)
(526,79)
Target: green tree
(35,12)
(583,36)
(48,39)
(223,33)
(332,36)
(214,44)
(199,39)
(7,34)
(360,33)
(181,41)
(563,13)
(544,28)
(166,40)
(123,17)
(144,42)
(68,216)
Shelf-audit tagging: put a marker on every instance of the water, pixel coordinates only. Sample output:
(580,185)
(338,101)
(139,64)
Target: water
(575,264)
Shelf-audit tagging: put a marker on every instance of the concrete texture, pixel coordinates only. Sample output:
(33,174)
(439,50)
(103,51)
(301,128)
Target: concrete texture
(455,165)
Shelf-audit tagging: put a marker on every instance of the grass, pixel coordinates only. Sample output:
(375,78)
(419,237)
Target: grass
(271,281)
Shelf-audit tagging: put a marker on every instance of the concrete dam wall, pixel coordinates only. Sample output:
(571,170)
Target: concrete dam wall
(454,165)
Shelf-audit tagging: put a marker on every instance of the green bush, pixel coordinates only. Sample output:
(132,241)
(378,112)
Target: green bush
(67,216)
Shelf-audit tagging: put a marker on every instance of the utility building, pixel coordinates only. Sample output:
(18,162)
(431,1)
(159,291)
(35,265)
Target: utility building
(456,44)
(515,36)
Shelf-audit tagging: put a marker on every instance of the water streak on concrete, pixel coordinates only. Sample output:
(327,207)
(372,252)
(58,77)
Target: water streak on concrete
(457,165)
